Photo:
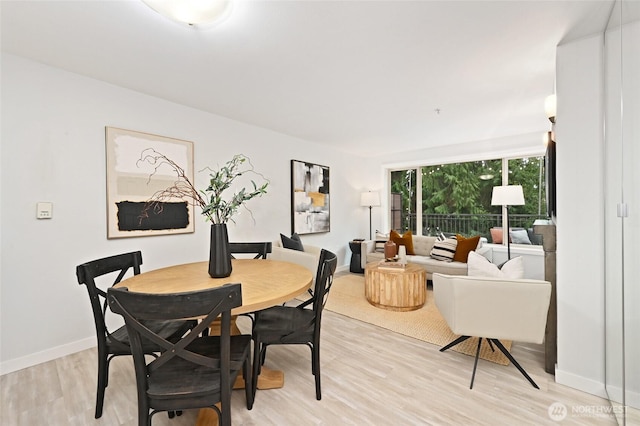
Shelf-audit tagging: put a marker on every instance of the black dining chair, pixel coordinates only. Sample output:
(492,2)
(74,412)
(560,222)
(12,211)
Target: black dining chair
(259,250)
(290,325)
(196,371)
(116,343)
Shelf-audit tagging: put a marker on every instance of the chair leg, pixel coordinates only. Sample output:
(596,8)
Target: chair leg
(490,345)
(475,363)
(256,369)
(263,354)
(144,417)
(315,366)
(453,343)
(248,382)
(514,362)
(103,374)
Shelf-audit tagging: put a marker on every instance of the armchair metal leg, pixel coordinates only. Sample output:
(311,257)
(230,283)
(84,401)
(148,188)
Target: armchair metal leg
(475,363)
(455,342)
(513,360)
(490,345)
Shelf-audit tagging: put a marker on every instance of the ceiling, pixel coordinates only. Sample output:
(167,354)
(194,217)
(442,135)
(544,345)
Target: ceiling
(361,76)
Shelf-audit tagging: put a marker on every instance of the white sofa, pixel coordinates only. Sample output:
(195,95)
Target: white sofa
(422,246)
(308,258)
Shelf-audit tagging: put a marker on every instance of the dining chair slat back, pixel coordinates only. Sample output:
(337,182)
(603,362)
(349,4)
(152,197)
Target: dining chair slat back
(196,371)
(260,250)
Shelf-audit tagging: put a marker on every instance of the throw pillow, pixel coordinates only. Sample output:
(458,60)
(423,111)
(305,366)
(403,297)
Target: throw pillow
(513,269)
(496,235)
(519,236)
(293,243)
(405,240)
(465,245)
(380,240)
(444,250)
(479,266)
(381,236)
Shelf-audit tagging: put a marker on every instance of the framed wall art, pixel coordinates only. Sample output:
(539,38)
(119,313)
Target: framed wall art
(309,198)
(131,182)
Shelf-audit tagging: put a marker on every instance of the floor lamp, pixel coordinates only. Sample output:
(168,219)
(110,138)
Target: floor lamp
(508,195)
(370,199)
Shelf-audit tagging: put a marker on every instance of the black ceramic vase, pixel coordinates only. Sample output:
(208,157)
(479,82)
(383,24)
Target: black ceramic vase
(219,253)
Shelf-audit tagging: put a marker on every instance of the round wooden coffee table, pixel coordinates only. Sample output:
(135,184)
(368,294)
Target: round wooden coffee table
(396,290)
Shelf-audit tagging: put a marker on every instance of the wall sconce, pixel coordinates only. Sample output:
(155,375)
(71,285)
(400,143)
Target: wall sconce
(550,108)
(370,199)
(192,12)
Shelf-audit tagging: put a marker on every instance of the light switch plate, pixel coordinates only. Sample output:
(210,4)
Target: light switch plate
(44,210)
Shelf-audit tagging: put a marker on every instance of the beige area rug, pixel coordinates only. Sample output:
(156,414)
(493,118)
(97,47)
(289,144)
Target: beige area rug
(426,324)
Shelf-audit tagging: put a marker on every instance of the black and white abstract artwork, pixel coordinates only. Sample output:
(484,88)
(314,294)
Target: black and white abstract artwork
(309,198)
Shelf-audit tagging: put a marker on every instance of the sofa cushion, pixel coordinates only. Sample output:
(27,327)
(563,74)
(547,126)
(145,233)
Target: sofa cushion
(402,240)
(444,250)
(465,245)
(432,265)
(293,243)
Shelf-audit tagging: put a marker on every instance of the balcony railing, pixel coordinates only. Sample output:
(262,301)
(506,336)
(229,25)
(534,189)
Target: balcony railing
(465,224)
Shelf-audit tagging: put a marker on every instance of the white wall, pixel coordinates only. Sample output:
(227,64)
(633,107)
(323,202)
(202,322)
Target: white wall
(622,178)
(631,88)
(580,221)
(53,149)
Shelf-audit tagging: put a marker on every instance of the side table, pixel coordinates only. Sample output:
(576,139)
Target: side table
(396,290)
(356,250)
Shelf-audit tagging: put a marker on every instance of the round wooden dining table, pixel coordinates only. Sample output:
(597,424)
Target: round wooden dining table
(265,283)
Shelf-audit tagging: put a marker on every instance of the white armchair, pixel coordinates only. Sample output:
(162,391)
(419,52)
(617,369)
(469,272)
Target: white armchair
(494,309)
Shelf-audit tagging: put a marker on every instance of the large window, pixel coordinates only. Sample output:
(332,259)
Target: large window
(456,198)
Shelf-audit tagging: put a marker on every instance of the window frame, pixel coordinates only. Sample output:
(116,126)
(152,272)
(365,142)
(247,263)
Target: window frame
(417,166)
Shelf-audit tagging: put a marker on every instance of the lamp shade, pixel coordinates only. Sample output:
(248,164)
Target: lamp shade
(370,199)
(508,195)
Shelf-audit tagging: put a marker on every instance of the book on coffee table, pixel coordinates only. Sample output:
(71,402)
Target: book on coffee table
(392,264)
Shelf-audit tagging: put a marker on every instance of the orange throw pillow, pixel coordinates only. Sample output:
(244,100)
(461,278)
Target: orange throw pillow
(465,245)
(405,240)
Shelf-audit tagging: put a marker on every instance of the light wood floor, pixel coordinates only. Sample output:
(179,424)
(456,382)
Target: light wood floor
(370,376)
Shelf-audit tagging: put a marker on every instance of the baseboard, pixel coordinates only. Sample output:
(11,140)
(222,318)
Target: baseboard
(583,384)
(633,399)
(343,268)
(30,360)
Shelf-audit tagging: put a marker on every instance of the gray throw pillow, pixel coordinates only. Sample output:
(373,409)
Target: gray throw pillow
(293,243)
(519,236)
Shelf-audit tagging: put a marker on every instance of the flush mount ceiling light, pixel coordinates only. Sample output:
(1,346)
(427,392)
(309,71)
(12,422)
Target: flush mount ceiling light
(192,12)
